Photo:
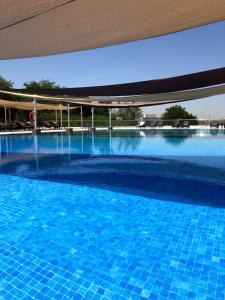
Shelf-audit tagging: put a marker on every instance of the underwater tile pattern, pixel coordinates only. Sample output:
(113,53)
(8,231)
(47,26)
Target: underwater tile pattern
(68,239)
(86,243)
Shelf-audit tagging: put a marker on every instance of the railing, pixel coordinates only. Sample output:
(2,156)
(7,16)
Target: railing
(87,123)
(124,123)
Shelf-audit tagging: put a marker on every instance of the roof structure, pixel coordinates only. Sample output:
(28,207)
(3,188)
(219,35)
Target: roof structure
(35,28)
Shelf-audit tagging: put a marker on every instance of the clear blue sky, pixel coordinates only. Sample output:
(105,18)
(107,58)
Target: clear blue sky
(189,51)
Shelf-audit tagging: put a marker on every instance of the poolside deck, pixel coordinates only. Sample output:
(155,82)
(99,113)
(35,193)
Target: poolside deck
(78,129)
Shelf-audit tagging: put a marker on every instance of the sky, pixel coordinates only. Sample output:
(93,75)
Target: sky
(189,51)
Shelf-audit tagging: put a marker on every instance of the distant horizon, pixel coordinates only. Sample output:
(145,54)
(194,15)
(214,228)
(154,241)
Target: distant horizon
(175,54)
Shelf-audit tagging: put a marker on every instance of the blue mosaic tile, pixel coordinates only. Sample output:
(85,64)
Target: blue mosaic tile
(99,228)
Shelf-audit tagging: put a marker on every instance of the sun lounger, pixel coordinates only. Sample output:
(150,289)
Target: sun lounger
(159,123)
(214,124)
(2,126)
(24,125)
(185,124)
(176,124)
(153,123)
(141,124)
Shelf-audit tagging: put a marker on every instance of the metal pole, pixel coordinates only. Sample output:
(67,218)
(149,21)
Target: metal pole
(56,116)
(36,150)
(68,113)
(10,115)
(5,115)
(81,116)
(110,118)
(92,119)
(61,123)
(35,114)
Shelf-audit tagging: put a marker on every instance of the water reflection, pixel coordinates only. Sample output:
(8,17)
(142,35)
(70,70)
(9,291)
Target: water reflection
(176,138)
(165,179)
(139,142)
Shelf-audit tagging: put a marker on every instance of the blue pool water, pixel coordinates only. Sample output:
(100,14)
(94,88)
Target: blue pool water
(121,215)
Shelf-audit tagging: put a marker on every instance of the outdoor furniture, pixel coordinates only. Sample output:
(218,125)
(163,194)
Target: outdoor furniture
(214,124)
(24,125)
(159,123)
(141,124)
(55,125)
(2,126)
(153,123)
(47,124)
(185,124)
(13,126)
(176,124)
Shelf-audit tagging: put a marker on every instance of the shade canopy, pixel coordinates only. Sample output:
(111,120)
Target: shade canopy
(163,85)
(35,28)
(29,105)
(129,101)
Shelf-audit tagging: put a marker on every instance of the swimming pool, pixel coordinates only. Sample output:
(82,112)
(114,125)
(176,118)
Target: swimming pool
(113,215)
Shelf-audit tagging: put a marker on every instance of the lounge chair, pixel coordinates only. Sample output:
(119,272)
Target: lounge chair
(214,124)
(153,123)
(159,123)
(176,124)
(47,124)
(185,124)
(13,126)
(24,125)
(141,124)
(55,125)
(2,126)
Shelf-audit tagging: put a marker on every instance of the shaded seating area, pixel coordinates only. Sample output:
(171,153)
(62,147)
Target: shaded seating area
(13,125)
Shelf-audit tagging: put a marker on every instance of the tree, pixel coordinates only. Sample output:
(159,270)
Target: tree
(42,84)
(132,113)
(5,84)
(177,112)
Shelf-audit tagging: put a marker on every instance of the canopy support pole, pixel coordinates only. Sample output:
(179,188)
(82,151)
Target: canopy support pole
(92,119)
(61,122)
(68,129)
(110,119)
(10,119)
(5,115)
(35,129)
(68,115)
(81,116)
(56,116)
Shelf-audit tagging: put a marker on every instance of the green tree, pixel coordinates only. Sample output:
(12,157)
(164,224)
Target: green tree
(5,84)
(177,112)
(42,84)
(131,113)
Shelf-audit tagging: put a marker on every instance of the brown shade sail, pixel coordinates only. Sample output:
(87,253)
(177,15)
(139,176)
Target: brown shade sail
(29,105)
(35,28)
(164,85)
